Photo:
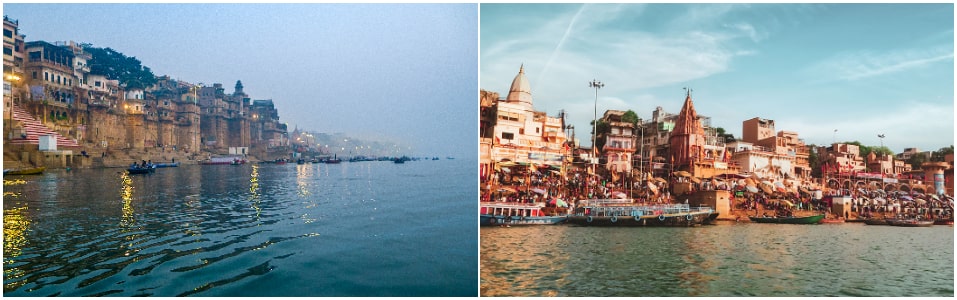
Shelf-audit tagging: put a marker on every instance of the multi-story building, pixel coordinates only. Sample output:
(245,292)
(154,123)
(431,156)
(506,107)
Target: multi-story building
(13,63)
(619,142)
(524,136)
(762,152)
(224,123)
(265,128)
(694,149)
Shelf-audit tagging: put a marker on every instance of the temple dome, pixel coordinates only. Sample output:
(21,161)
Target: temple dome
(520,91)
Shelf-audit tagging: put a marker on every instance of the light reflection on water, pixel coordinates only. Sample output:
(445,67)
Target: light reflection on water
(724,260)
(251,230)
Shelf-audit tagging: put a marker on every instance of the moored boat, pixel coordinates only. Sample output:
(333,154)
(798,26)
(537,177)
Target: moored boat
(875,221)
(166,165)
(511,214)
(913,223)
(788,220)
(225,160)
(624,213)
(944,222)
(28,171)
(832,221)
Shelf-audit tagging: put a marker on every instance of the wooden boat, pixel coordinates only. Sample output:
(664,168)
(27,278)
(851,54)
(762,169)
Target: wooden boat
(788,220)
(514,214)
(225,160)
(333,160)
(944,222)
(141,170)
(914,223)
(832,221)
(875,221)
(624,213)
(28,171)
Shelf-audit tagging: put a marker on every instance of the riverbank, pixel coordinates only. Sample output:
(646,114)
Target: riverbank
(17,156)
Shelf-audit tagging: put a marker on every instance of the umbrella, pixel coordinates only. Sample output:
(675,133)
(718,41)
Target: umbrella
(908,198)
(695,179)
(506,170)
(932,196)
(561,203)
(507,189)
(920,201)
(682,174)
(752,189)
(621,195)
(540,191)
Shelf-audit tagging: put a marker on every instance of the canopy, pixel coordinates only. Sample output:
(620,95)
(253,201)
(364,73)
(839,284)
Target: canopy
(682,174)
(920,201)
(540,191)
(507,190)
(908,198)
(695,179)
(752,189)
(621,195)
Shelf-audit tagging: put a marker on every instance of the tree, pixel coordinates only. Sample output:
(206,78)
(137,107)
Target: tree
(941,153)
(115,65)
(630,117)
(814,162)
(917,160)
(602,129)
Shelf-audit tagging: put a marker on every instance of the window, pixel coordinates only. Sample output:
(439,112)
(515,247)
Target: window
(508,136)
(7,33)
(521,131)
(7,51)
(34,74)
(46,76)
(96,83)
(35,56)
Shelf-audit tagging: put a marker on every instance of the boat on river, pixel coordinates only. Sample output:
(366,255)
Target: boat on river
(511,214)
(141,170)
(624,213)
(944,222)
(27,171)
(913,223)
(224,160)
(167,165)
(875,221)
(832,221)
(788,220)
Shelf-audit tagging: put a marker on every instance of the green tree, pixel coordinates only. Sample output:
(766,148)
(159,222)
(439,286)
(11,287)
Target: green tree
(630,117)
(917,160)
(941,153)
(813,161)
(114,65)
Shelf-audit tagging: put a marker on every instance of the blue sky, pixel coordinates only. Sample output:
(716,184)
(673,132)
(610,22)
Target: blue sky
(398,72)
(863,69)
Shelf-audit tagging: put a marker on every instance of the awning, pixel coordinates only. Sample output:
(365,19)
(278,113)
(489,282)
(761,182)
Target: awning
(682,174)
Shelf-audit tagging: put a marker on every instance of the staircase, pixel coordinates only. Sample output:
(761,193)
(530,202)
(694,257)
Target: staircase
(35,129)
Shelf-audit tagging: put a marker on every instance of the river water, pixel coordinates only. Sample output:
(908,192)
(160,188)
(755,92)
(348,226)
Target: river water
(742,259)
(353,229)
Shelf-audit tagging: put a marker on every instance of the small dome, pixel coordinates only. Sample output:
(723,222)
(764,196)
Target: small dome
(520,91)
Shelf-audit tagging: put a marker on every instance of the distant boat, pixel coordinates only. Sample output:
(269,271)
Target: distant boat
(334,160)
(167,165)
(913,223)
(401,160)
(28,171)
(225,160)
(788,220)
(141,170)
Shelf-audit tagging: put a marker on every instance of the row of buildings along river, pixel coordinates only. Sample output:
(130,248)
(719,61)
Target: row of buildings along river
(58,114)
(673,154)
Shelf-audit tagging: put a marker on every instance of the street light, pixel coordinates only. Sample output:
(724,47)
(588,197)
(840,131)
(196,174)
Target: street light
(594,127)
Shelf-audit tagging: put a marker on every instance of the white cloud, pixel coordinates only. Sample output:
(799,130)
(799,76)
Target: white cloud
(864,64)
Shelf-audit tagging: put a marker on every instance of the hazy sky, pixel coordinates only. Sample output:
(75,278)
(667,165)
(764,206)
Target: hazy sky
(400,72)
(862,69)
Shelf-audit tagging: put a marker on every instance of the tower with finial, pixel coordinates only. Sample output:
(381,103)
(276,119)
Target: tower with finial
(687,140)
(239,87)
